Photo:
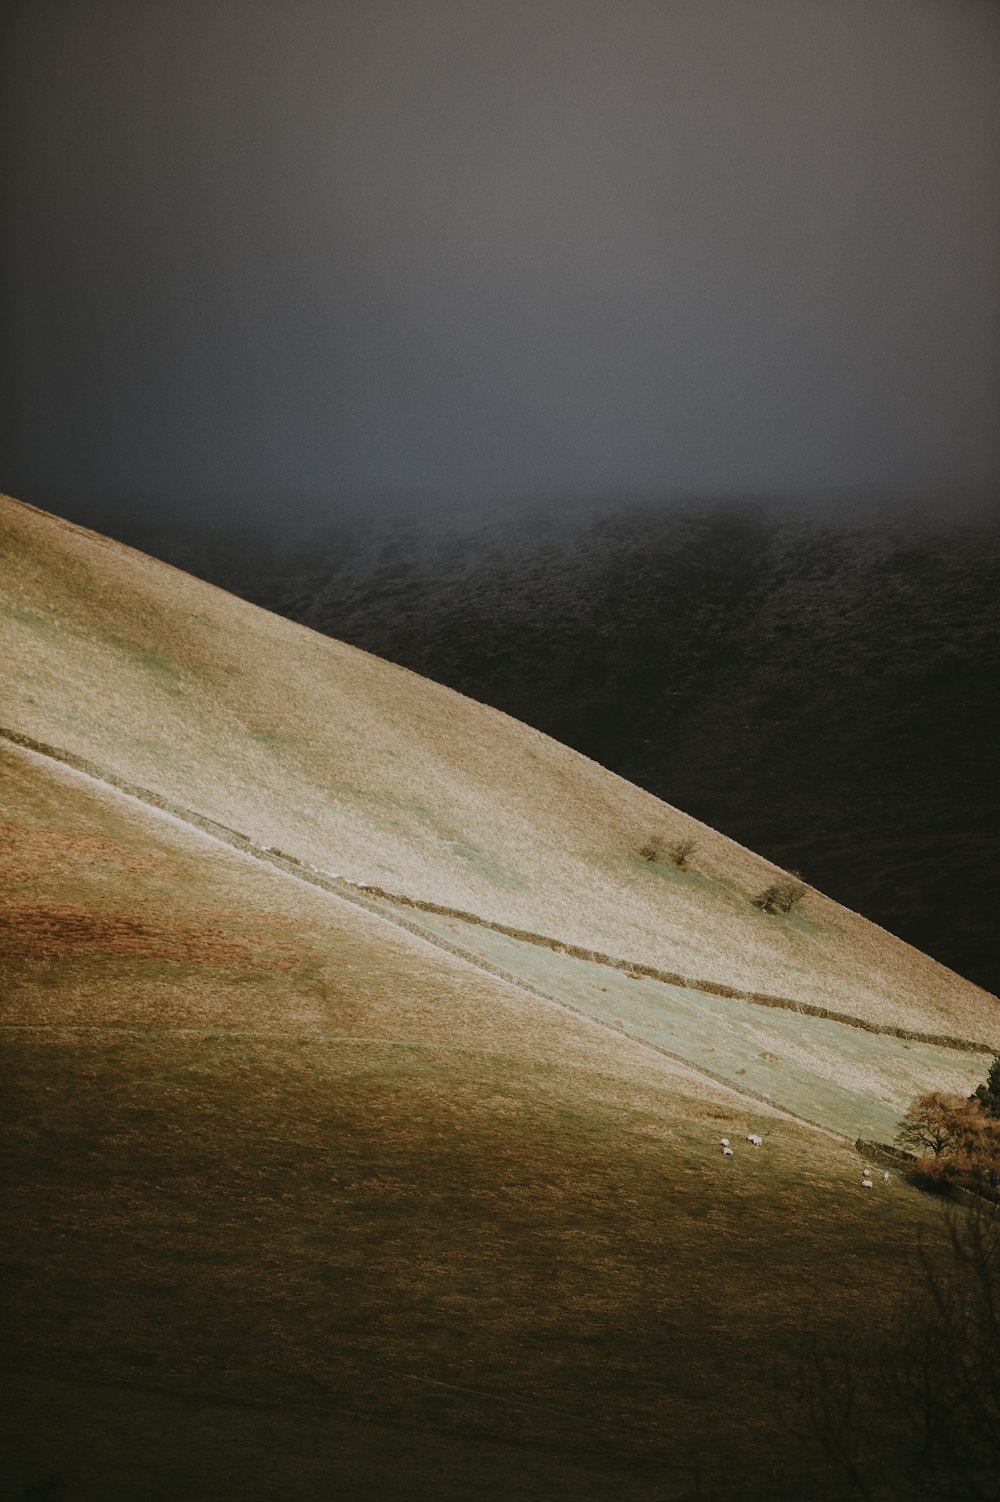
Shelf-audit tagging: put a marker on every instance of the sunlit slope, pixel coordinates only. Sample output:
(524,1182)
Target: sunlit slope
(272,1154)
(846,1079)
(362,768)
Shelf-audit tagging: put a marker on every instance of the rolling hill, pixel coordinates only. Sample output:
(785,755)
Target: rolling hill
(813,677)
(367,1090)
(362,768)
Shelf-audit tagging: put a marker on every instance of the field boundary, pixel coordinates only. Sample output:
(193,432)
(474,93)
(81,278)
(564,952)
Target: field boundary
(638,971)
(374,899)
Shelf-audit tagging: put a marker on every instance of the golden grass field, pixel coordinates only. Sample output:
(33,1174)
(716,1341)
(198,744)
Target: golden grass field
(305,1203)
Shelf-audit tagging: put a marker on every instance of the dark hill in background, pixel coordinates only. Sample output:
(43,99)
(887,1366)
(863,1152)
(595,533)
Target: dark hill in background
(820,685)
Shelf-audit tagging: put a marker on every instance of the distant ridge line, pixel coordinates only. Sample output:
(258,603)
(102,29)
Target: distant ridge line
(283,860)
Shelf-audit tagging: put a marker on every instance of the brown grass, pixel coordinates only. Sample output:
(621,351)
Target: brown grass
(59,930)
(384,1184)
(269,1152)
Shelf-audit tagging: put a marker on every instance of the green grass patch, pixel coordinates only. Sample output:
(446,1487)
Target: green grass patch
(29,618)
(845,1078)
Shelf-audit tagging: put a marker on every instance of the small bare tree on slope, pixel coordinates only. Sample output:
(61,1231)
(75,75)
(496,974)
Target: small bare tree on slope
(782,895)
(675,852)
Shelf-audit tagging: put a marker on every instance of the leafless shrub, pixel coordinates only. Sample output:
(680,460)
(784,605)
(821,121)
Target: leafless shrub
(915,1410)
(665,851)
(781,896)
(680,852)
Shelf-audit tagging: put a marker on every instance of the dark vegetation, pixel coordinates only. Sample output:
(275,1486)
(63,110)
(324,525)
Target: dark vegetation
(988,1094)
(816,684)
(50,1489)
(914,1411)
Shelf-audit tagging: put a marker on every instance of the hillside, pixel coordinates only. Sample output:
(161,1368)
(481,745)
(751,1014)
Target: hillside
(814,679)
(366,1090)
(287,1181)
(361,768)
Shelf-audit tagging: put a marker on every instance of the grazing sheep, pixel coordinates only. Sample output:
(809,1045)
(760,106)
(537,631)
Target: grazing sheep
(723,1141)
(755,1138)
(867,1184)
(886,1175)
(727,1152)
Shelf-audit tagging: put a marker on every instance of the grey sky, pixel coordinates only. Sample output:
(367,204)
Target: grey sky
(265,252)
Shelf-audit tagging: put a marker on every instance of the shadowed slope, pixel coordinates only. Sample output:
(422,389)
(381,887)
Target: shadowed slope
(364,769)
(273,1159)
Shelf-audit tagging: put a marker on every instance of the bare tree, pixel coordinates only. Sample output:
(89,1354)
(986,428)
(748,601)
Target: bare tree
(915,1412)
(825,1411)
(951,1393)
(781,896)
(934,1122)
(680,852)
(958,1140)
(675,852)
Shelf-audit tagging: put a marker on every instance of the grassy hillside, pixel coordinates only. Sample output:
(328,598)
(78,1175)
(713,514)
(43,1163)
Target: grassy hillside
(329,1186)
(303,1206)
(845,1079)
(814,679)
(364,769)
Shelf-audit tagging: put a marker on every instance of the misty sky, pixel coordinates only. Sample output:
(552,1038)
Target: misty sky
(261,253)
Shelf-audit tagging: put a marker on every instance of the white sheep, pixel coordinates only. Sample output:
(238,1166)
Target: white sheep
(867,1184)
(755,1138)
(723,1141)
(727,1152)
(886,1175)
